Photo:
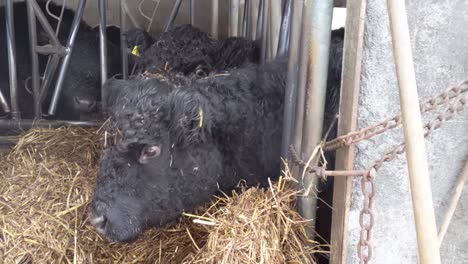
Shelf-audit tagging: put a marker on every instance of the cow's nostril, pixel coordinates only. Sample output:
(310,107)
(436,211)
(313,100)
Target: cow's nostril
(99,222)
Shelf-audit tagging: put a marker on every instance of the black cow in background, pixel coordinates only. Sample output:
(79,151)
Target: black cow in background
(81,89)
(177,146)
(188,51)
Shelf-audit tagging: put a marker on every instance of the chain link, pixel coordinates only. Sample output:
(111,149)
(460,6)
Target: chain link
(366,133)
(455,101)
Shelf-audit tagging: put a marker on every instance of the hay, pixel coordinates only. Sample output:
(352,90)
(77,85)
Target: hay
(47,180)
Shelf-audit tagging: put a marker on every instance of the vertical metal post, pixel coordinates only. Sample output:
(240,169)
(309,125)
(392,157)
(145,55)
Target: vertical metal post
(292,77)
(103,40)
(234,18)
(318,52)
(103,47)
(420,184)
(283,42)
(11,64)
(123,40)
(214,18)
(192,12)
(274,26)
(245,19)
(34,59)
(172,17)
(259,30)
(264,32)
(66,60)
(302,78)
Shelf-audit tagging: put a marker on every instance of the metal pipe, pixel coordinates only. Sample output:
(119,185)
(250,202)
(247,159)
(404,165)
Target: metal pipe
(66,60)
(172,17)
(49,75)
(192,12)
(34,58)
(302,78)
(318,53)
(123,40)
(214,18)
(292,84)
(418,171)
(274,24)
(11,64)
(46,26)
(4,103)
(283,43)
(259,30)
(103,48)
(264,33)
(57,49)
(245,19)
(25,124)
(102,41)
(234,18)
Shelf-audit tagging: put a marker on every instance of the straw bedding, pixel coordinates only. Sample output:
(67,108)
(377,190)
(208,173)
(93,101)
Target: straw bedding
(47,179)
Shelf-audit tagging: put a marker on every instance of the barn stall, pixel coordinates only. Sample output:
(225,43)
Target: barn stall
(54,169)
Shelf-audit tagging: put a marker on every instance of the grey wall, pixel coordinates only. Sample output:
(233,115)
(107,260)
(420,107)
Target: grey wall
(439,36)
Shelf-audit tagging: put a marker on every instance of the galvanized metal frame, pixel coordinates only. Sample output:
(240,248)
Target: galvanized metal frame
(123,40)
(173,15)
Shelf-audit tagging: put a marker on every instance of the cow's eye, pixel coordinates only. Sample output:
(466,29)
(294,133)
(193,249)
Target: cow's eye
(149,152)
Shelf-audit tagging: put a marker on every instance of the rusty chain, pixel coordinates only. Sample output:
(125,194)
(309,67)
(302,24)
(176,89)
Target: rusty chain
(454,100)
(366,133)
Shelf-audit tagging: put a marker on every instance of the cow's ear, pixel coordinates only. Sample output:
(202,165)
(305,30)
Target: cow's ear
(190,117)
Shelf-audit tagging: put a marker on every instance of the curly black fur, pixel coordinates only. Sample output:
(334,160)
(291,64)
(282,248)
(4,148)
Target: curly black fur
(82,81)
(211,133)
(188,51)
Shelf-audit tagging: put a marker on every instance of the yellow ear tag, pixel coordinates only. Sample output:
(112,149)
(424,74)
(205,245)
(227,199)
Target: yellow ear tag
(135,51)
(200,113)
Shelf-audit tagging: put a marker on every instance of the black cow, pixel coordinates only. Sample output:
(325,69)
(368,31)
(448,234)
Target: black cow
(188,51)
(177,146)
(81,89)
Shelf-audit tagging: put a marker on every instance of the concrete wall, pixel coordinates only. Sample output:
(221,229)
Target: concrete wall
(439,38)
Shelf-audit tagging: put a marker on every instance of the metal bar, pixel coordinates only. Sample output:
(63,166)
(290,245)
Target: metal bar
(103,48)
(245,19)
(11,64)
(56,48)
(102,41)
(4,103)
(421,193)
(214,18)
(172,17)
(283,42)
(192,12)
(274,25)
(25,124)
(259,30)
(66,60)
(234,18)
(318,53)
(46,26)
(302,78)
(123,40)
(34,58)
(292,78)
(264,32)
(49,49)
(49,75)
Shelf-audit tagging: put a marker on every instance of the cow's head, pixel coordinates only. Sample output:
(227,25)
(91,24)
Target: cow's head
(163,161)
